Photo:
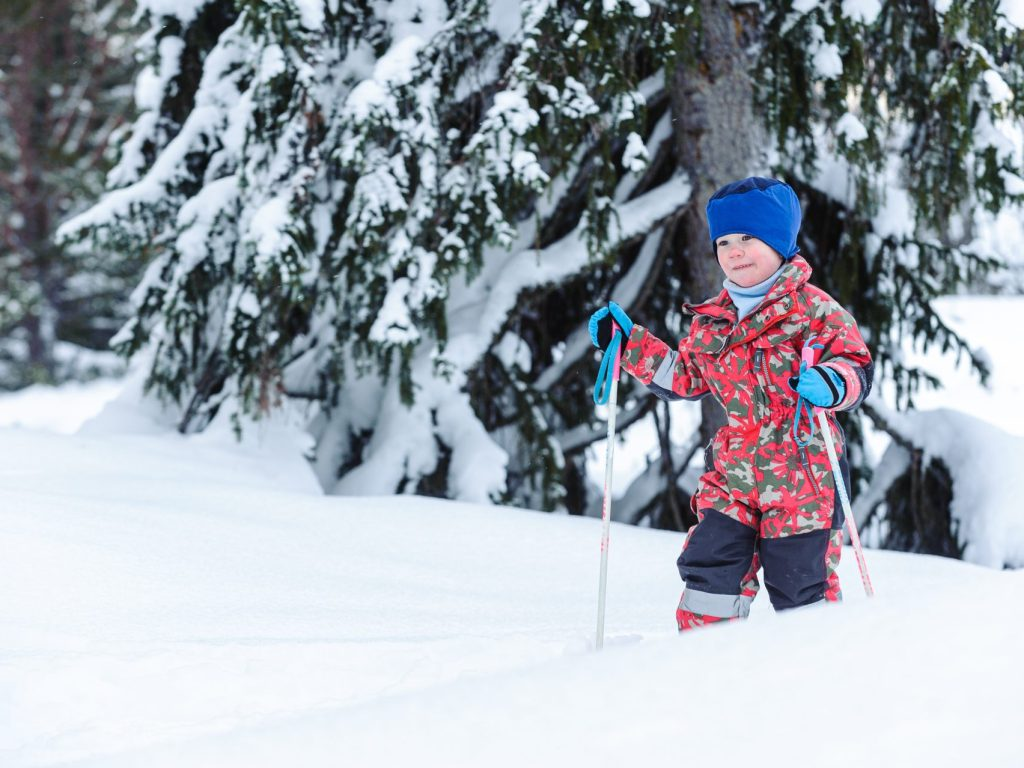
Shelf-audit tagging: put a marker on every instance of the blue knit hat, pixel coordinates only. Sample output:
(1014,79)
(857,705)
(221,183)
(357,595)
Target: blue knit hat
(768,209)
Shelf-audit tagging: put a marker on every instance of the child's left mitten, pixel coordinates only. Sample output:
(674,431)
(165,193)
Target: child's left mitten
(820,386)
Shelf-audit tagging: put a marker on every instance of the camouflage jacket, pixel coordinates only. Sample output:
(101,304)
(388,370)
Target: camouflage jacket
(756,472)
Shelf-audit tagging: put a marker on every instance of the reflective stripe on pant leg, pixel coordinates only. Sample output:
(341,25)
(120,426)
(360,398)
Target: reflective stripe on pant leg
(710,604)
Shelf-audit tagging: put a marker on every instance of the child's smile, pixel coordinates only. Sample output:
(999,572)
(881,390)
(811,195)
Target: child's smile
(746,260)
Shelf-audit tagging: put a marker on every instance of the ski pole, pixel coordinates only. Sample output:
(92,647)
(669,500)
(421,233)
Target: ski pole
(851,524)
(610,359)
(807,360)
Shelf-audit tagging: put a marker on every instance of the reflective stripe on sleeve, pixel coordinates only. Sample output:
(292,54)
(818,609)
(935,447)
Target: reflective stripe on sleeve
(663,376)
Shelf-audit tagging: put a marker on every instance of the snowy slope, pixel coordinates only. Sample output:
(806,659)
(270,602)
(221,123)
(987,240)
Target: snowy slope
(186,602)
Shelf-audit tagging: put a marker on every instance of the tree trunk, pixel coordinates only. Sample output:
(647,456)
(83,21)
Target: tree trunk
(30,121)
(717,135)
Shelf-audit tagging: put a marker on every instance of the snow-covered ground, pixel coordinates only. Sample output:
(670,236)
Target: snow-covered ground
(183,602)
(191,602)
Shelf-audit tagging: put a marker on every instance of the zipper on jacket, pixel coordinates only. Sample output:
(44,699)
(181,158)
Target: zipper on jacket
(760,365)
(761,379)
(807,469)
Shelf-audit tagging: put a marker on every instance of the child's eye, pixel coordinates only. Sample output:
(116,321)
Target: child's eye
(747,237)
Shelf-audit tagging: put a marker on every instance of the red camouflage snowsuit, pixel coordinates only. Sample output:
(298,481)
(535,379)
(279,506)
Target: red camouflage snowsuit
(763,500)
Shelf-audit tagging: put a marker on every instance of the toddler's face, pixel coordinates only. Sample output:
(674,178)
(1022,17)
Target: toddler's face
(746,260)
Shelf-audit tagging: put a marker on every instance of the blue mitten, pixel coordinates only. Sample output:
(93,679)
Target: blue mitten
(820,386)
(600,325)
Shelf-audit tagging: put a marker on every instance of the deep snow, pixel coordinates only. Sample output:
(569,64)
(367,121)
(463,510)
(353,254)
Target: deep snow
(179,601)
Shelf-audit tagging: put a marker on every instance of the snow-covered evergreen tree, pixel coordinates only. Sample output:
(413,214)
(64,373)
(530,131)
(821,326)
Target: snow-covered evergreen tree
(403,212)
(64,94)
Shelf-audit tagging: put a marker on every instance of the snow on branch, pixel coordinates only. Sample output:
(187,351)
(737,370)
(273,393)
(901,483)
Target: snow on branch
(531,268)
(984,463)
(624,293)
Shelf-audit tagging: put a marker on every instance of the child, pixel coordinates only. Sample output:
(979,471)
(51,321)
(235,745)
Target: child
(765,499)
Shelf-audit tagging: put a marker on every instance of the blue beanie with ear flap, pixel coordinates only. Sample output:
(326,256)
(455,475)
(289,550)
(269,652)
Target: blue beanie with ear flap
(768,209)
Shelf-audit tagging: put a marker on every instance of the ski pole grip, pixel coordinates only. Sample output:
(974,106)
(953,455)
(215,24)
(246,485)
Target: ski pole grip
(807,355)
(609,370)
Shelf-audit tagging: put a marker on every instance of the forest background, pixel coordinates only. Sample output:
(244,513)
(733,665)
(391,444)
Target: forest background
(393,219)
